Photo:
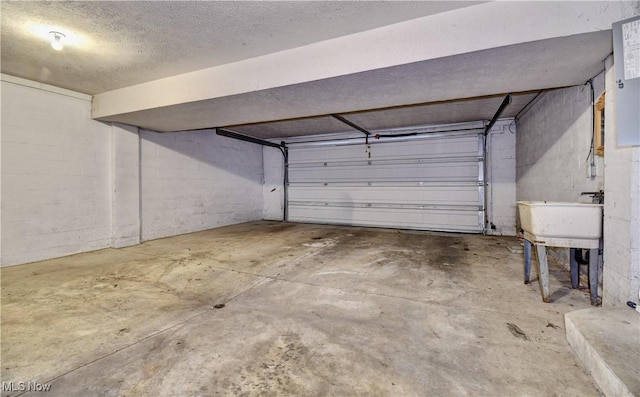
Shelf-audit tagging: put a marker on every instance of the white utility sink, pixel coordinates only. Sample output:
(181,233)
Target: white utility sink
(561,224)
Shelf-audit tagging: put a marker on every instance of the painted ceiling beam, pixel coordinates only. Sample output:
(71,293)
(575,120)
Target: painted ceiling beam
(451,34)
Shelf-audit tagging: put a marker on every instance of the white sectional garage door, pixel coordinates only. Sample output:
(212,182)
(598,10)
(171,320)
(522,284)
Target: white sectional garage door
(428,182)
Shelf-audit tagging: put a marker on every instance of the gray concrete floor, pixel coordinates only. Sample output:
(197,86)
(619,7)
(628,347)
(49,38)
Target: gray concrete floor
(309,310)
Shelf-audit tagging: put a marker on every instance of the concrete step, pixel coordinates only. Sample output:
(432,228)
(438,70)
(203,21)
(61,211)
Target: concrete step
(607,341)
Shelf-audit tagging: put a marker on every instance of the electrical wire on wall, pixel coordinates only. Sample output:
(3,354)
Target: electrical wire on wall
(591,157)
(526,107)
(592,153)
(513,123)
(524,110)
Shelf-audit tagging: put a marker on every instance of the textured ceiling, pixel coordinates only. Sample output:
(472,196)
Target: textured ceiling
(519,68)
(458,111)
(114,44)
(483,50)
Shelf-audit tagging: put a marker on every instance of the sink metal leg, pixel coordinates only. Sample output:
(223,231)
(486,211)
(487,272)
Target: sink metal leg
(544,272)
(593,276)
(527,260)
(575,269)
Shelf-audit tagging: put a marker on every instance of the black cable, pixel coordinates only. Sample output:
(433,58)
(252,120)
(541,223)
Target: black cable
(593,118)
(528,103)
(378,136)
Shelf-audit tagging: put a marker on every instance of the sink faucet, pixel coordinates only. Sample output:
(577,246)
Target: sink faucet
(596,197)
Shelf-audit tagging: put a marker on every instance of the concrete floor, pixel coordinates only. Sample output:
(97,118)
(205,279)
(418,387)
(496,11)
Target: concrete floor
(309,310)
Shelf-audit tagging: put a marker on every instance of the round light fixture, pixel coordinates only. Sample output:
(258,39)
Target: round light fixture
(57,40)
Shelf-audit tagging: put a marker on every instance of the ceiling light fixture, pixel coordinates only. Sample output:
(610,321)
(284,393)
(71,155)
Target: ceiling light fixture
(57,40)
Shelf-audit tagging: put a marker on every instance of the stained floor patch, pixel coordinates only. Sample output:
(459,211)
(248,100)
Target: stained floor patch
(517,332)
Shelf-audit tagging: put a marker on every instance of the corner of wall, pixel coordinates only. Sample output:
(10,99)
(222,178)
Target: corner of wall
(501,178)
(0,181)
(125,186)
(273,186)
(197,180)
(621,270)
(55,173)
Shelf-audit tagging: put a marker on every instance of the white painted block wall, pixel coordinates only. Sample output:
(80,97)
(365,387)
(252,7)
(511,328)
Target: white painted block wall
(71,184)
(552,149)
(55,174)
(552,146)
(621,273)
(198,180)
(125,186)
(273,191)
(501,200)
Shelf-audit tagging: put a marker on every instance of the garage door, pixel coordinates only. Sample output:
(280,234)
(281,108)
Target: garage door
(431,181)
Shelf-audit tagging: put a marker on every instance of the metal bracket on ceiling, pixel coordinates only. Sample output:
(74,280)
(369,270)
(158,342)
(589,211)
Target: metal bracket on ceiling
(350,124)
(507,100)
(357,127)
(246,138)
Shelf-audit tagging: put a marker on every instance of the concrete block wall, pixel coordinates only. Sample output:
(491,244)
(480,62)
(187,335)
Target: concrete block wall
(71,184)
(621,273)
(552,146)
(55,173)
(552,149)
(197,180)
(501,201)
(125,186)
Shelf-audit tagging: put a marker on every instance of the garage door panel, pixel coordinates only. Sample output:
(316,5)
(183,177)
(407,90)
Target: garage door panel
(428,182)
(462,221)
(440,148)
(444,147)
(364,161)
(464,172)
(415,195)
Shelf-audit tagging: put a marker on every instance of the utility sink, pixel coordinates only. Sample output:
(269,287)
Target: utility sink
(561,224)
